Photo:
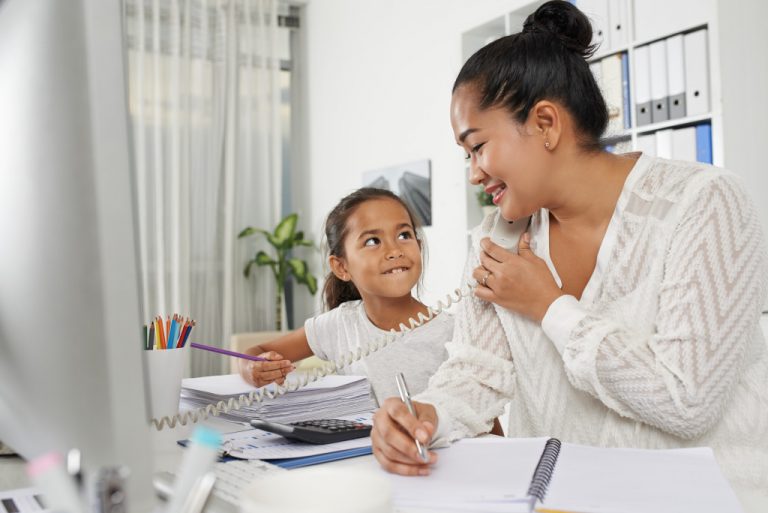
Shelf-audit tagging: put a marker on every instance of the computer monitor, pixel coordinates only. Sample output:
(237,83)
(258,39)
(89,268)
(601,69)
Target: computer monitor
(70,321)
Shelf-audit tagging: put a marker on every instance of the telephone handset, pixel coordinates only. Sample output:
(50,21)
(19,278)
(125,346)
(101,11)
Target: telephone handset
(504,233)
(507,233)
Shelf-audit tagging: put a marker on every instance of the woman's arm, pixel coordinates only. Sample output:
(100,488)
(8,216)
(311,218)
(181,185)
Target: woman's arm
(463,397)
(679,377)
(472,386)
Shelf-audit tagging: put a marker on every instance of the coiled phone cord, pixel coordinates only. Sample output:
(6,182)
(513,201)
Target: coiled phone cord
(303,379)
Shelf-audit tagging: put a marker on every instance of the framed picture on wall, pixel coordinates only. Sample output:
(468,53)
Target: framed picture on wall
(411,181)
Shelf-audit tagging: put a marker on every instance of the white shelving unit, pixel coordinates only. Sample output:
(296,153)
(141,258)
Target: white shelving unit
(648,21)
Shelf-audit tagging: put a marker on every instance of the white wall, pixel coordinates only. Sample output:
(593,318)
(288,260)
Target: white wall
(745,109)
(379,77)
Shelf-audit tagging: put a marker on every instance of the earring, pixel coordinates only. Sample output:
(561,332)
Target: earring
(546,144)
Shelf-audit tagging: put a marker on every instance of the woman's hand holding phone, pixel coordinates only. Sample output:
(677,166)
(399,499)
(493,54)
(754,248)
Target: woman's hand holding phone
(519,282)
(394,432)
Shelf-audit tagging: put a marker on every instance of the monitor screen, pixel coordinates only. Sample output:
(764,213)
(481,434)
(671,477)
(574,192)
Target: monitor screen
(70,320)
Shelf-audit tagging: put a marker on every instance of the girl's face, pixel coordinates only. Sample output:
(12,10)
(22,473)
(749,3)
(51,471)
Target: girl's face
(507,158)
(382,256)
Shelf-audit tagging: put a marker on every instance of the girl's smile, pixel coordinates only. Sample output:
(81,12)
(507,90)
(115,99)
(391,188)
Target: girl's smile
(382,255)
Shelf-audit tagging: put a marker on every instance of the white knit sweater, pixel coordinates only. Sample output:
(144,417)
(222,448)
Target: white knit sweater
(662,350)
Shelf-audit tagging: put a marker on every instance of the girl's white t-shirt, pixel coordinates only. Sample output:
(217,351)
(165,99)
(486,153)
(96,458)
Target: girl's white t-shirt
(417,354)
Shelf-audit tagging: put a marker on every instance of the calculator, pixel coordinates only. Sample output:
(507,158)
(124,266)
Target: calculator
(323,431)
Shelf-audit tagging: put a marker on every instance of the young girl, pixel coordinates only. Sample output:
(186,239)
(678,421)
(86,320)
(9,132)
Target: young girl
(375,258)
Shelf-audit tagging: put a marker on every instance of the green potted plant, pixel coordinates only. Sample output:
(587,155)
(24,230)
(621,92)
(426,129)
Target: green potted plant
(485,201)
(283,265)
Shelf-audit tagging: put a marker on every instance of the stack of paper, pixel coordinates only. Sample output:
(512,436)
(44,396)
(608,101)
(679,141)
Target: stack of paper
(328,397)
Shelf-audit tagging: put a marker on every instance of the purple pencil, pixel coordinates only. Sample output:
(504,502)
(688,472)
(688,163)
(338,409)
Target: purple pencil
(228,353)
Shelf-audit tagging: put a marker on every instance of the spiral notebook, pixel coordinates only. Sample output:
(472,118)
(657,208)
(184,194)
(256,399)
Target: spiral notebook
(495,474)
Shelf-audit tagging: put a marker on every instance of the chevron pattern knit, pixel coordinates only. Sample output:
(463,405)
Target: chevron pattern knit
(663,349)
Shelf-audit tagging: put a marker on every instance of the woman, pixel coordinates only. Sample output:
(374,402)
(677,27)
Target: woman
(630,317)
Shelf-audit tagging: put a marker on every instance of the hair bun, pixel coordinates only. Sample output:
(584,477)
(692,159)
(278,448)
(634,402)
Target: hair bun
(564,21)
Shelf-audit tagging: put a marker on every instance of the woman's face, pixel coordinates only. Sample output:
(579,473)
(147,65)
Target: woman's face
(507,158)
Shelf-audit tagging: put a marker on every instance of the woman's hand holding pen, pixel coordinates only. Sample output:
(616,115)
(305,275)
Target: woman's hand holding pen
(259,374)
(521,283)
(394,432)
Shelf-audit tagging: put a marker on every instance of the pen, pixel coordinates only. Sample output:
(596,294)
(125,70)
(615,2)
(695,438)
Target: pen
(228,353)
(405,396)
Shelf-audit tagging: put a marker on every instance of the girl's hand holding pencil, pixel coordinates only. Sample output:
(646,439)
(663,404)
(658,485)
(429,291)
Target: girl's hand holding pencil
(272,369)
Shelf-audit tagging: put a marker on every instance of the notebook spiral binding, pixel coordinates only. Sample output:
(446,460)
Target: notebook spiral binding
(544,469)
(258,395)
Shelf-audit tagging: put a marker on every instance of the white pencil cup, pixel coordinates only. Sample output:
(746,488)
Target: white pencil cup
(163,372)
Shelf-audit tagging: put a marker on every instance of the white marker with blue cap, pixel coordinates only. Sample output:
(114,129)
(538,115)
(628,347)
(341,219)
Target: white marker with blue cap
(198,459)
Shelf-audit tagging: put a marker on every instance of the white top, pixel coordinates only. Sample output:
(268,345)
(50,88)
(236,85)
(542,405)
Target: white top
(417,354)
(662,350)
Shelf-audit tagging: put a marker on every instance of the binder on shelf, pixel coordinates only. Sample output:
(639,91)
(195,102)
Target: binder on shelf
(659,85)
(642,78)
(612,92)
(618,19)
(684,144)
(664,143)
(676,76)
(626,100)
(704,143)
(597,12)
(646,143)
(696,72)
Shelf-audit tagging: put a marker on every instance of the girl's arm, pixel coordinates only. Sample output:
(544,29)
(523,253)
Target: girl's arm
(292,346)
(280,352)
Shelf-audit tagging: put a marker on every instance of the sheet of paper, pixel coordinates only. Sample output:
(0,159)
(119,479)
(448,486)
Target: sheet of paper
(22,500)
(233,384)
(493,471)
(600,480)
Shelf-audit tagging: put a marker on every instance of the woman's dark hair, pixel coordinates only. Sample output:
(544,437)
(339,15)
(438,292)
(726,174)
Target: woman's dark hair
(335,290)
(547,60)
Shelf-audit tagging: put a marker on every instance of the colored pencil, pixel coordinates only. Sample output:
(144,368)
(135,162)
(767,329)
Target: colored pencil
(228,353)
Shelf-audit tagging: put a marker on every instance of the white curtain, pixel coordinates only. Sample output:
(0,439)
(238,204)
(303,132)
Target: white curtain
(204,100)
